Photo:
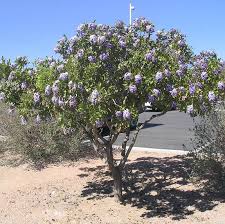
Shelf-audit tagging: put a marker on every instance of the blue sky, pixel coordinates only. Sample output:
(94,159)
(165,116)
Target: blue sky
(32,27)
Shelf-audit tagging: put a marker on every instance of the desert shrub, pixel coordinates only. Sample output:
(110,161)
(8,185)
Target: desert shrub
(40,143)
(209,149)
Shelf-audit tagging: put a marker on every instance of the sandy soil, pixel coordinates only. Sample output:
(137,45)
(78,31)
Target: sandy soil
(80,193)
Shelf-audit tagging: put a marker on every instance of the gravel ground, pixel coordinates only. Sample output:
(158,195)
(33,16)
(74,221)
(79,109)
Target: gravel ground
(81,193)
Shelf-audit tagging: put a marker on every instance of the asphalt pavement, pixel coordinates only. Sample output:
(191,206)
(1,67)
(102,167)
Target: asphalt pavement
(170,131)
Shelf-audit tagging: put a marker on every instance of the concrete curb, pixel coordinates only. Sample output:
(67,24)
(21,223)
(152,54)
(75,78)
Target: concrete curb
(170,151)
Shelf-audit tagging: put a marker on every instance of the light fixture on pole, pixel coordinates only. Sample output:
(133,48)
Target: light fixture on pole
(130,10)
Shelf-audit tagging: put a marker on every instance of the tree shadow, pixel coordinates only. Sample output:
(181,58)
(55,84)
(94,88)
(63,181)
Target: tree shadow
(160,185)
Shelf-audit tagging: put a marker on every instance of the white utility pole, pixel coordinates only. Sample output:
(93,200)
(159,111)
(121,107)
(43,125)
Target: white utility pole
(130,10)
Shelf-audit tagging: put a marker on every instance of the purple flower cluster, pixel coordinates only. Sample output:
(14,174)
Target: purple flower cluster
(91,58)
(204,75)
(23,85)
(11,76)
(119,114)
(156,92)
(159,76)
(132,89)
(94,98)
(37,97)
(127,76)
(55,100)
(190,109)
(174,92)
(138,79)
(72,101)
(63,76)
(126,114)
(150,56)
(48,90)
(80,53)
(103,56)
(221,85)
(192,89)
(211,96)
(93,39)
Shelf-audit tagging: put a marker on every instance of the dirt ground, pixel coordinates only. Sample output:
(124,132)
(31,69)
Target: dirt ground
(157,191)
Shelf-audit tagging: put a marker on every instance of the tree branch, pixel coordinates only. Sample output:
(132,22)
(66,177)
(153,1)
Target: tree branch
(124,159)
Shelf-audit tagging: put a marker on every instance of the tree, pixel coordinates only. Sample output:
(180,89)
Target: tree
(104,77)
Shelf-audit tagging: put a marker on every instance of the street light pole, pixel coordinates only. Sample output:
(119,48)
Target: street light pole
(130,11)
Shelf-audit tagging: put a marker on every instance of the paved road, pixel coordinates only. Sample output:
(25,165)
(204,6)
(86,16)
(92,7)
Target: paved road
(170,131)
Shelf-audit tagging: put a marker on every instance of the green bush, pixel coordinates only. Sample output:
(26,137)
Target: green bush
(209,149)
(40,143)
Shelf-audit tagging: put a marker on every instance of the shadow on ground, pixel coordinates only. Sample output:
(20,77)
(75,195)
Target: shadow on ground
(160,185)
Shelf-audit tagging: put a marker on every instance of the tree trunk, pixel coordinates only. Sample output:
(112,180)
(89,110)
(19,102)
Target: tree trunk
(116,175)
(117,178)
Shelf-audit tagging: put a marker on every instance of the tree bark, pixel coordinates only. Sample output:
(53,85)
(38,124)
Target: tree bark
(117,178)
(116,174)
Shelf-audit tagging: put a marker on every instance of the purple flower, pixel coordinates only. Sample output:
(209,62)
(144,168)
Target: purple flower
(126,114)
(55,89)
(159,76)
(156,92)
(55,100)
(80,53)
(190,109)
(101,39)
(138,79)
(108,45)
(204,75)
(93,39)
(37,97)
(174,92)
(60,68)
(48,90)
(61,103)
(63,76)
(23,120)
(94,97)
(132,89)
(192,89)
(211,96)
(151,98)
(104,56)
(11,76)
(122,43)
(2,96)
(72,101)
(92,26)
(221,85)
(149,56)
(119,114)
(167,73)
(179,73)
(150,28)
(99,123)
(181,43)
(91,58)
(38,119)
(23,85)
(169,87)
(200,85)
(127,76)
